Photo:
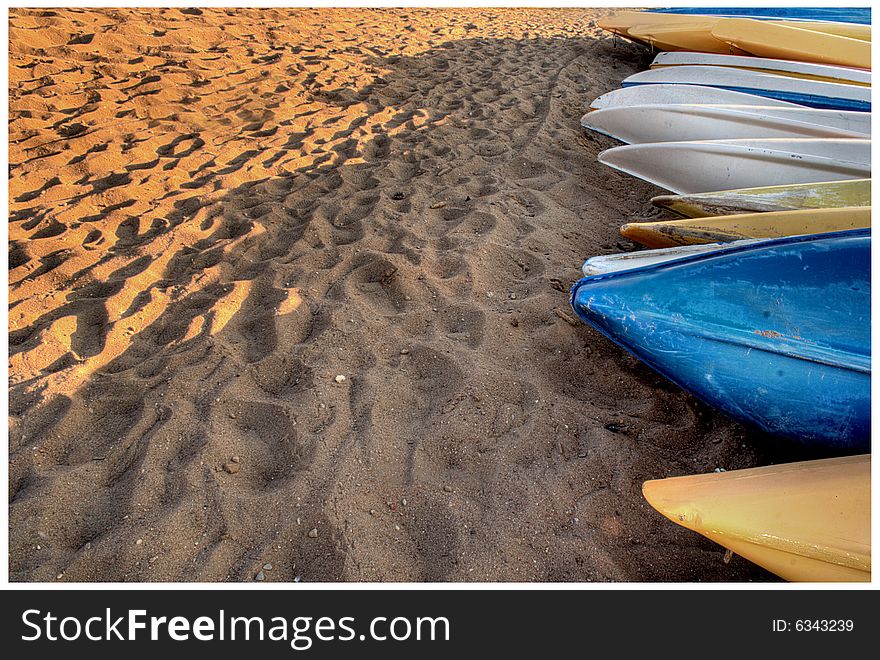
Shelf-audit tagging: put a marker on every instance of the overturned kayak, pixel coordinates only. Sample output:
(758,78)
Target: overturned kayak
(678,123)
(805,522)
(860,15)
(802,42)
(611,263)
(812,93)
(666,31)
(708,165)
(681,94)
(692,32)
(727,228)
(692,36)
(810,70)
(826,194)
(776,334)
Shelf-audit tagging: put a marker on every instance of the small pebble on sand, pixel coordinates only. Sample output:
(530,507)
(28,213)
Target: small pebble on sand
(259,577)
(447,488)
(313,533)
(340,378)
(231,468)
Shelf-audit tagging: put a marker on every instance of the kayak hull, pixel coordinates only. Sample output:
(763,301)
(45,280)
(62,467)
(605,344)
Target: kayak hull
(828,42)
(806,70)
(680,123)
(807,522)
(696,37)
(827,194)
(812,93)
(727,228)
(681,94)
(770,39)
(775,334)
(611,263)
(706,166)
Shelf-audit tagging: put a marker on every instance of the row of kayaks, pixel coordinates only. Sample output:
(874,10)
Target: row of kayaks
(754,294)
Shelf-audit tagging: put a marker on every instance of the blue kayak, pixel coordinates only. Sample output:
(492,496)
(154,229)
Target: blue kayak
(776,334)
(841,14)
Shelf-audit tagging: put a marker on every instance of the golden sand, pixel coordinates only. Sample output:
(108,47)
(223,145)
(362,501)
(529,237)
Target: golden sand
(214,213)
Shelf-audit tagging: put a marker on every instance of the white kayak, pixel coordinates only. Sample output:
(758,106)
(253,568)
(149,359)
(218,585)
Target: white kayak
(712,165)
(814,93)
(675,93)
(677,123)
(612,263)
(839,74)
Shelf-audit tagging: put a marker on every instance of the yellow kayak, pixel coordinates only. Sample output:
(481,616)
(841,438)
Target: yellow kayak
(696,37)
(849,30)
(726,228)
(777,40)
(805,522)
(830,194)
(676,32)
(679,32)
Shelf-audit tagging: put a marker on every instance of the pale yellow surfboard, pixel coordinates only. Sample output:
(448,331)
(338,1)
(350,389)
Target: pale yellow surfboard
(829,194)
(780,41)
(805,522)
(726,228)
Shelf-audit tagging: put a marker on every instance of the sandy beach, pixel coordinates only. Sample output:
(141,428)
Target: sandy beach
(288,299)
